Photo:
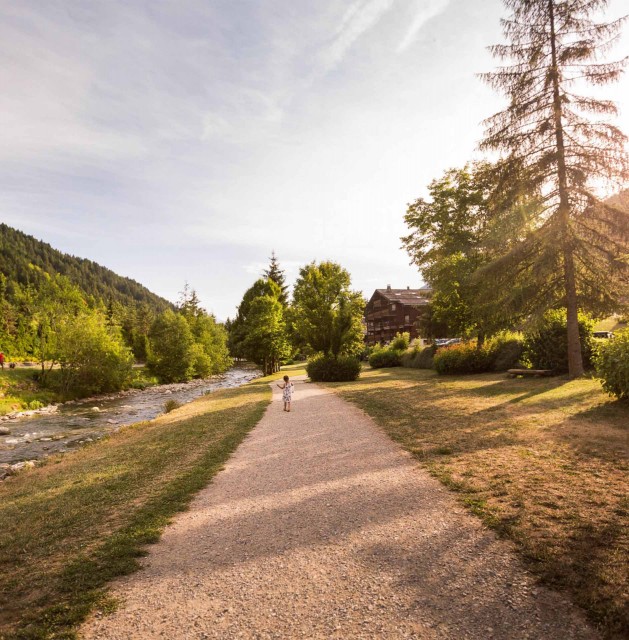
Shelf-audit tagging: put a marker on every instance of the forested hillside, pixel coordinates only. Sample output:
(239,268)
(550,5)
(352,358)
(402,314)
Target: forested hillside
(60,310)
(18,251)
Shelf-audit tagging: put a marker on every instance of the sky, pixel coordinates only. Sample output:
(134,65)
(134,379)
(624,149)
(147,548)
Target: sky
(182,141)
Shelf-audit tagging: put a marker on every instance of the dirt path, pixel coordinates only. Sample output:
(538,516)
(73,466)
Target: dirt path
(321,527)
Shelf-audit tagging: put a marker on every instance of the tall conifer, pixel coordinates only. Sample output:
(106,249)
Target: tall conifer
(575,252)
(277,275)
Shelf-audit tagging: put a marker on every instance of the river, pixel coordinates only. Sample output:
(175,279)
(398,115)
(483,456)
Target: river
(76,423)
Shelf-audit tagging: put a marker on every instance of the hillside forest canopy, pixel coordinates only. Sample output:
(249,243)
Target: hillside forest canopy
(85,325)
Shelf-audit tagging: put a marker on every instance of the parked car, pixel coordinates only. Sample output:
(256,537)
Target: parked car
(603,334)
(444,342)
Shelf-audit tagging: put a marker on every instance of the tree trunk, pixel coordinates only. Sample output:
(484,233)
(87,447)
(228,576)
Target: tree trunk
(480,340)
(575,359)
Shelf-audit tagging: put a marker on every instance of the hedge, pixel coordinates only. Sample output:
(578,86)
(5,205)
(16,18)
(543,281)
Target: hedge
(464,357)
(546,347)
(333,369)
(388,357)
(612,365)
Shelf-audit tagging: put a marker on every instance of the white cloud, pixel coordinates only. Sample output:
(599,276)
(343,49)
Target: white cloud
(359,18)
(426,9)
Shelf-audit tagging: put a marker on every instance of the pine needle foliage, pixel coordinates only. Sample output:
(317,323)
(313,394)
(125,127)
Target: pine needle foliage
(575,252)
(275,273)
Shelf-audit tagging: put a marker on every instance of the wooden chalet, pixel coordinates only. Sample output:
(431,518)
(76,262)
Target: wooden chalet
(391,311)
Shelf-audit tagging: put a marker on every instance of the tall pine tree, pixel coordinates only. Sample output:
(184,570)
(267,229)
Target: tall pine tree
(575,252)
(277,275)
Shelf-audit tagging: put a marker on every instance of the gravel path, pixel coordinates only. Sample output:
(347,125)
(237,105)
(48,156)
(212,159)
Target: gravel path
(321,527)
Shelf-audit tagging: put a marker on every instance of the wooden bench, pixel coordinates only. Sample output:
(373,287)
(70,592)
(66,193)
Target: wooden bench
(537,373)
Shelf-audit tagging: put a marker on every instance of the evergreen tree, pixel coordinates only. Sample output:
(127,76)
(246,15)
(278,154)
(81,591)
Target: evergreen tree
(210,338)
(575,254)
(189,304)
(259,331)
(19,252)
(277,275)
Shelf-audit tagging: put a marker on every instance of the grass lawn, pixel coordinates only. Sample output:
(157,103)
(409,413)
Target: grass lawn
(612,323)
(542,461)
(19,390)
(73,524)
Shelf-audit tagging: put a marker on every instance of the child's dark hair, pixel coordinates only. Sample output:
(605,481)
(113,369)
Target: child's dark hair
(285,378)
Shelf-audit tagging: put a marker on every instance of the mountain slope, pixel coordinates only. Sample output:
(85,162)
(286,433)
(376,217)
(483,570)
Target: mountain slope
(18,250)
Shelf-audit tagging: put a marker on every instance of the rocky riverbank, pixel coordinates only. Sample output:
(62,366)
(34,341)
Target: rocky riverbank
(28,436)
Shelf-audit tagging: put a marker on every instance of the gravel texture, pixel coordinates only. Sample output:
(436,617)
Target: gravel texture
(321,527)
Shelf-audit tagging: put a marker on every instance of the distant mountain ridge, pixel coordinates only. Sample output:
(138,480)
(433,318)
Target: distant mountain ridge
(18,250)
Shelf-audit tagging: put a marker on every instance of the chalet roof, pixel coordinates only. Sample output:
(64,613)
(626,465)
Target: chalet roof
(405,296)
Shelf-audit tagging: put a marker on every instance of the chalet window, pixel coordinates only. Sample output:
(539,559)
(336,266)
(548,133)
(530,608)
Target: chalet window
(407,319)
(393,307)
(377,304)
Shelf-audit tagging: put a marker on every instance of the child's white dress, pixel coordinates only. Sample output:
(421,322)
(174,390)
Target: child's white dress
(287,394)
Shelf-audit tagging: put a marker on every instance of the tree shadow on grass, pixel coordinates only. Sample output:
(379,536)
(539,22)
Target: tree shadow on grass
(567,445)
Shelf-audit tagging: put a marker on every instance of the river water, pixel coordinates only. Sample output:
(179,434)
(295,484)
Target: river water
(76,423)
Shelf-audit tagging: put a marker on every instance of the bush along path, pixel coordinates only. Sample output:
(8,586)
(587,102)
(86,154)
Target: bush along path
(321,527)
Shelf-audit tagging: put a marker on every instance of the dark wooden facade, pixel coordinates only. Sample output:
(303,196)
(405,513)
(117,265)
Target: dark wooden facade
(391,311)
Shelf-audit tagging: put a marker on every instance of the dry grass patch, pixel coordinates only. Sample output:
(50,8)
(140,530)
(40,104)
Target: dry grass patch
(70,526)
(542,461)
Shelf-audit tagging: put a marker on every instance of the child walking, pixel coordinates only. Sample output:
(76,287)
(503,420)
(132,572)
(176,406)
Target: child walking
(287,396)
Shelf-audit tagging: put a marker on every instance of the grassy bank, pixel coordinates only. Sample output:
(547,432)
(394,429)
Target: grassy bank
(82,519)
(19,390)
(544,462)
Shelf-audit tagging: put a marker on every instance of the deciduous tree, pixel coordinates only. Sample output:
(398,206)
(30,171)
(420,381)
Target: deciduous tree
(172,353)
(451,237)
(92,355)
(327,313)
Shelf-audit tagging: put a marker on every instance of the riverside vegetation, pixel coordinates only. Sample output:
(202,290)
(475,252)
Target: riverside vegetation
(543,462)
(84,325)
(77,521)
(82,349)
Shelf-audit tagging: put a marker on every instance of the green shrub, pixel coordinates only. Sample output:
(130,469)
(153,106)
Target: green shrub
(171,348)
(388,357)
(420,358)
(333,369)
(171,405)
(93,356)
(401,341)
(201,361)
(463,358)
(367,351)
(506,351)
(546,347)
(407,357)
(612,365)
